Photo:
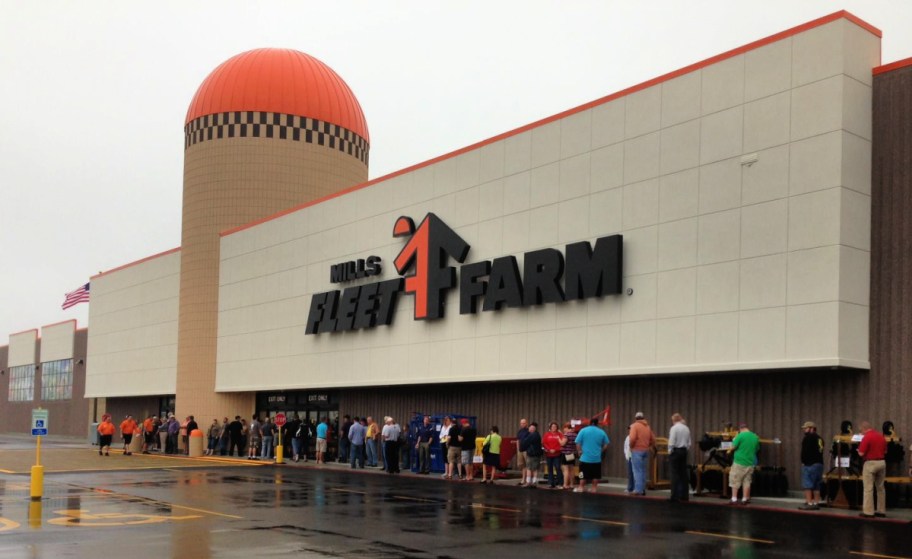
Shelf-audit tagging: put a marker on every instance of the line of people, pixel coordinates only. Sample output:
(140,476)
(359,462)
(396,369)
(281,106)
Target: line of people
(560,451)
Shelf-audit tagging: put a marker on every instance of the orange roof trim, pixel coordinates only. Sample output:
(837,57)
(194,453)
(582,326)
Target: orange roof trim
(892,66)
(136,262)
(280,81)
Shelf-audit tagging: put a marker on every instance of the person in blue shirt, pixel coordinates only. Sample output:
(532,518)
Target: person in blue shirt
(425,438)
(591,442)
(322,429)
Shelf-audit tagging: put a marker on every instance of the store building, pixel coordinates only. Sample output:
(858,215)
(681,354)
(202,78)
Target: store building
(726,241)
(46,371)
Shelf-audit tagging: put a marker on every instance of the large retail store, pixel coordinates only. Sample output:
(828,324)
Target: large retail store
(730,241)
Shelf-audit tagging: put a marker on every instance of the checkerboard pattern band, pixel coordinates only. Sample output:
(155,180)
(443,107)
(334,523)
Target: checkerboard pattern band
(253,124)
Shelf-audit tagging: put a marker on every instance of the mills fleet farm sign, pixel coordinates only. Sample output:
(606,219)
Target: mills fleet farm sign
(581,271)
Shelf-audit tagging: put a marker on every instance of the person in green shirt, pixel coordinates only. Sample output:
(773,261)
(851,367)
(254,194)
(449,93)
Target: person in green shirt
(745,446)
(491,458)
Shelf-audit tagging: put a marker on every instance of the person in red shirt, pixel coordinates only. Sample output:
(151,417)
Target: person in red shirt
(553,441)
(872,449)
(106,431)
(127,428)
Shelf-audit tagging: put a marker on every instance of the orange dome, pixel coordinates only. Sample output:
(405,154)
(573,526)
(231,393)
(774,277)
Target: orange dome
(280,81)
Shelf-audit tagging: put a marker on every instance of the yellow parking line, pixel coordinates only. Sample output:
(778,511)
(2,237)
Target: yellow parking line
(115,470)
(244,462)
(879,556)
(480,506)
(238,461)
(172,505)
(403,498)
(166,503)
(728,537)
(582,519)
(7,472)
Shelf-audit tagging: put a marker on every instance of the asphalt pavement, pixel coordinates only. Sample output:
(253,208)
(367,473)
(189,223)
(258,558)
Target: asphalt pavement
(224,508)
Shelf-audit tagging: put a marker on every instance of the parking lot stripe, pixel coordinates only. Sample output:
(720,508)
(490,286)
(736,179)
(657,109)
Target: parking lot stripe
(126,496)
(404,498)
(583,519)
(349,491)
(728,537)
(481,506)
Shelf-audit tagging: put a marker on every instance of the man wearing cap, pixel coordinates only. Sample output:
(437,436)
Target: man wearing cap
(678,446)
(811,466)
(745,446)
(642,440)
(390,436)
(873,449)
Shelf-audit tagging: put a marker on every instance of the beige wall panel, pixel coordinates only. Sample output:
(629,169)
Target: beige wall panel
(132,347)
(22,348)
(729,264)
(57,341)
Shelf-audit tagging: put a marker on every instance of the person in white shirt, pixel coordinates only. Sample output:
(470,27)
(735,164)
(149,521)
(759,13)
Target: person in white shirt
(390,436)
(628,456)
(444,443)
(679,443)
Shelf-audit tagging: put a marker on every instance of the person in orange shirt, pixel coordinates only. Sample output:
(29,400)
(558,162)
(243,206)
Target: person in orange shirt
(106,430)
(642,441)
(148,434)
(127,428)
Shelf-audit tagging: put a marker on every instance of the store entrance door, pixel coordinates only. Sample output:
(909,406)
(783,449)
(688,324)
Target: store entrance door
(311,407)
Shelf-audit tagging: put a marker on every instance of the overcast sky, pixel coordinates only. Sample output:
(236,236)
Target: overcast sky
(94,96)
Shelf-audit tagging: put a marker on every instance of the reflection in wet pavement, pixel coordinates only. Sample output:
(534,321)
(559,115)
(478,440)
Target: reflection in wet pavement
(331,513)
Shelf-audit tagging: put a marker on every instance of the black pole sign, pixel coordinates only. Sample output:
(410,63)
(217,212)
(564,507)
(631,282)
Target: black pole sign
(586,271)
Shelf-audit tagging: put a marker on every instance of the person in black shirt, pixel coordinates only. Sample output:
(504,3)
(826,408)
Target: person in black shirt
(191,426)
(520,455)
(344,444)
(234,436)
(532,446)
(290,430)
(811,466)
(454,450)
(467,436)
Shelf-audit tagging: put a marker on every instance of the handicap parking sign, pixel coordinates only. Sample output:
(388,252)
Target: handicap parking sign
(39,422)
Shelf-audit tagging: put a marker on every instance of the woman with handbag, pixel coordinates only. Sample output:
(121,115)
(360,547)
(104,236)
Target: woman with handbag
(490,451)
(568,456)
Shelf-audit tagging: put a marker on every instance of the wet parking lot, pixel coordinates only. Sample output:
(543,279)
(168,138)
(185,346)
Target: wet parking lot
(237,511)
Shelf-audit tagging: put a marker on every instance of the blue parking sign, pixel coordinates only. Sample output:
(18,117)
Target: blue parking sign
(39,423)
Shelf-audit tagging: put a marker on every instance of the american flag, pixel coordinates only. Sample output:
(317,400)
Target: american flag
(77,296)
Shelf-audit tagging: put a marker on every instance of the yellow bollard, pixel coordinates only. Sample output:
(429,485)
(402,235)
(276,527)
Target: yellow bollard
(37,482)
(37,486)
(280,451)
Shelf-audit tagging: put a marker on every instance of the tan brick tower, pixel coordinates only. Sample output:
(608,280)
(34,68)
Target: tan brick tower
(267,130)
